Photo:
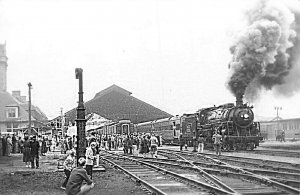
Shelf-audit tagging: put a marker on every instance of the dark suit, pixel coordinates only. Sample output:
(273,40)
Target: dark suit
(34,146)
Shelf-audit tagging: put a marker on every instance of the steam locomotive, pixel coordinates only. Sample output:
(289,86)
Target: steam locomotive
(235,124)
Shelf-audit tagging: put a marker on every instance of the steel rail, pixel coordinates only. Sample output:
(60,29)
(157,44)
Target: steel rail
(195,182)
(137,179)
(211,177)
(266,179)
(292,183)
(259,160)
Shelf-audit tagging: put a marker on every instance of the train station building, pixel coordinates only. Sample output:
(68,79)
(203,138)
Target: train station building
(14,115)
(271,129)
(115,103)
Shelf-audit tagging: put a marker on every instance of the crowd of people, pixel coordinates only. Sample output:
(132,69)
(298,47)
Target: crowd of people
(134,144)
(12,144)
(79,178)
(9,144)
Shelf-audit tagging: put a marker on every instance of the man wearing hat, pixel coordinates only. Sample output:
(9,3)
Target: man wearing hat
(75,184)
(34,147)
(90,158)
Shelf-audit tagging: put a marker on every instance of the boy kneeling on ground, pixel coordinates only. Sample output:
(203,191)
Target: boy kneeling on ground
(78,175)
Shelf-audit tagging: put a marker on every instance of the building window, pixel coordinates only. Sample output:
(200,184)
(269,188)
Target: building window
(12,127)
(12,112)
(125,129)
(189,127)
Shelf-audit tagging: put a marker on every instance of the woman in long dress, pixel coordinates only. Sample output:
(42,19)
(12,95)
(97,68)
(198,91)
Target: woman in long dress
(9,145)
(26,152)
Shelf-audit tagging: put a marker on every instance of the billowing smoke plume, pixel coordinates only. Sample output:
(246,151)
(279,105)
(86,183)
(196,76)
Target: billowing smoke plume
(266,54)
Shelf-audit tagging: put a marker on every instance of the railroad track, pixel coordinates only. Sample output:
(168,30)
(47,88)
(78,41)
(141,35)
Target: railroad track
(258,163)
(158,180)
(274,173)
(232,180)
(284,153)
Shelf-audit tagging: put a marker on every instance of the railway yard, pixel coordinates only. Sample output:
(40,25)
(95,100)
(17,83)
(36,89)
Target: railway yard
(186,172)
(262,171)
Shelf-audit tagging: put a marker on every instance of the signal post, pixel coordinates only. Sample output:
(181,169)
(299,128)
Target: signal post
(80,121)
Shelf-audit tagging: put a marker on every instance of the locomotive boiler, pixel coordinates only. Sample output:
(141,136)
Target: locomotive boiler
(234,122)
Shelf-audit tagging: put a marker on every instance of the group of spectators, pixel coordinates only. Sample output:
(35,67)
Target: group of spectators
(31,150)
(73,183)
(198,143)
(134,144)
(10,144)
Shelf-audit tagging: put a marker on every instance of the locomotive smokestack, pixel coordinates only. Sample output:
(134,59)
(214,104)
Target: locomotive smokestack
(239,100)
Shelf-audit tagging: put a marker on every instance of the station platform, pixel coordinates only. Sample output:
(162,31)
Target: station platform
(53,160)
(49,163)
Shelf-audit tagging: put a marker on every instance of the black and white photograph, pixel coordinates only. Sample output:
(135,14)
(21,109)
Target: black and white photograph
(160,97)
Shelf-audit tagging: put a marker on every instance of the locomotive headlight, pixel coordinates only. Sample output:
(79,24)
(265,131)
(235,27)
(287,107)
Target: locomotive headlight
(246,116)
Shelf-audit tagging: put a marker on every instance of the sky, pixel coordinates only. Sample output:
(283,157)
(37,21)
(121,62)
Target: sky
(172,54)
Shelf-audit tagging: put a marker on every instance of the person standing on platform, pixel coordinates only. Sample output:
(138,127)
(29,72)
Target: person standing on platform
(4,145)
(20,145)
(75,184)
(26,151)
(69,165)
(217,141)
(34,147)
(112,140)
(181,141)
(130,144)
(125,144)
(153,146)
(90,159)
(195,144)
(9,145)
(144,149)
(40,140)
(44,147)
(14,144)
(201,143)
(283,135)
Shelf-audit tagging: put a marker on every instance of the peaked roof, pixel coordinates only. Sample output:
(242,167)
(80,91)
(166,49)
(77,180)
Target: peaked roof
(116,103)
(8,100)
(112,88)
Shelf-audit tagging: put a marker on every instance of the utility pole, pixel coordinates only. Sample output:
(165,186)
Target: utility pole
(80,121)
(62,122)
(29,108)
(277,108)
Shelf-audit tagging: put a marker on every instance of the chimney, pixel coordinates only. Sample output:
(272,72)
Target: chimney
(3,67)
(239,100)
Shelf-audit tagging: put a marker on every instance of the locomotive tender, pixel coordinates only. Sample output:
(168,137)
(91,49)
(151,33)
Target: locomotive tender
(235,123)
